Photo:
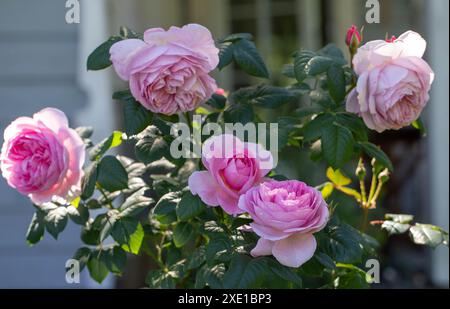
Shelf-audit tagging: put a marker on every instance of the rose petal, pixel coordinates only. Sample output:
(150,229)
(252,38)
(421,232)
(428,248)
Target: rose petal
(263,248)
(205,186)
(121,54)
(295,250)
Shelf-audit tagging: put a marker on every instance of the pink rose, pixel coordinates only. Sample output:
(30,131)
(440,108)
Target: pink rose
(285,215)
(168,70)
(393,82)
(233,167)
(42,157)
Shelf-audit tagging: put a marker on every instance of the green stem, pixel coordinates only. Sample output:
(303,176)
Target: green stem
(109,205)
(373,185)
(362,186)
(365,222)
(189,121)
(374,199)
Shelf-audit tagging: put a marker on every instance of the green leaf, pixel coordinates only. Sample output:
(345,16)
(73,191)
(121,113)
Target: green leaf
(108,223)
(100,149)
(151,146)
(196,259)
(189,207)
(327,190)
(325,260)
(133,168)
(240,221)
(135,116)
(337,145)
(354,124)
(399,218)
(375,152)
(217,101)
(419,125)
(354,278)
(336,83)
(89,180)
(271,97)
(112,176)
(288,71)
(300,62)
(318,65)
(212,229)
(135,204)
(248,59)
(129,233)
(85,132)
(285,273)
(244,272)
(312,131)
(36,229)
(308,111)
(99,59)
(97,266)
(342,243)
(286,127)
(393,227)
(337,177)
(182,234)
(90,234)
(164,210)
(160,280)
(218,249)
(225,54)
(82,255)
(322,99)
(333,52)
(238,113)
(427,234)
(211,276)
(115,259)
(56,221)
(78,215)
(237,37)
(128,33)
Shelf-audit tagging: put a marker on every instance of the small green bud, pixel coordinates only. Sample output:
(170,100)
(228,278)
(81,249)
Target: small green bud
(383,177)
(360,170)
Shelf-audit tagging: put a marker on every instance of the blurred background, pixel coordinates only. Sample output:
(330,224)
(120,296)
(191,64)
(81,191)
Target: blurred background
(42,63)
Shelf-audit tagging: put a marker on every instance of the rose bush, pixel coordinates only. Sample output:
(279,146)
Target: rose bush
(229,220)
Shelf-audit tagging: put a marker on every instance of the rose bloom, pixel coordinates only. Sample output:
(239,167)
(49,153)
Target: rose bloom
(393,82)
(168,70)
(285,215)
(233,167)
(42,157)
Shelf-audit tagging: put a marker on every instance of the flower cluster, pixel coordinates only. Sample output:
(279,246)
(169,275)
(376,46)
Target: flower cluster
(285,213)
